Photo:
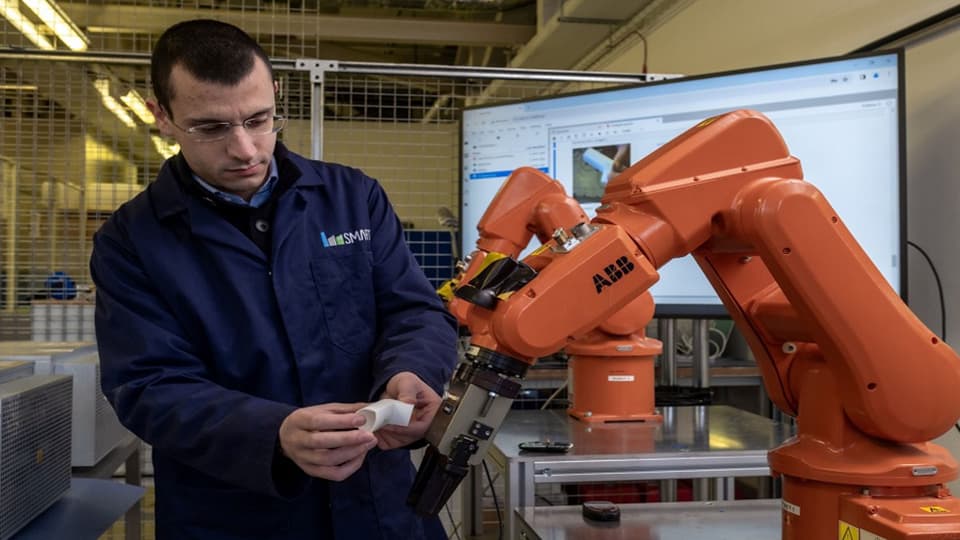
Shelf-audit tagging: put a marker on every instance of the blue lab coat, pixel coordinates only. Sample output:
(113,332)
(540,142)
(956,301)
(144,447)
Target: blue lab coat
(207,344)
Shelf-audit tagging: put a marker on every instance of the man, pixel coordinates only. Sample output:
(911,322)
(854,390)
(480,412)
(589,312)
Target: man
(239,340)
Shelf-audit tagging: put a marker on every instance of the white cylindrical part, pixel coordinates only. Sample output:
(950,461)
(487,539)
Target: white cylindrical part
(385,411)
(600,162)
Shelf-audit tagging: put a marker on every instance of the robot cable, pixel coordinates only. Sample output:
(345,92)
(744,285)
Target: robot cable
(496,504)
(943,307)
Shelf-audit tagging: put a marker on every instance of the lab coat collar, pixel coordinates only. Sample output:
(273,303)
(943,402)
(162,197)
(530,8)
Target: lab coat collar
(169,196)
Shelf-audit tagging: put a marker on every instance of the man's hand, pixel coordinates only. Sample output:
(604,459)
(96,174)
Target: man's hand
(323,440)
(408,388)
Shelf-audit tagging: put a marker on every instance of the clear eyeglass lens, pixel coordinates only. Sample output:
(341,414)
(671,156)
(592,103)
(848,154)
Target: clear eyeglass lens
(253,126)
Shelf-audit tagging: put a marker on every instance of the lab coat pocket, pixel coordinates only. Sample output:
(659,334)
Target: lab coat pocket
(344,280)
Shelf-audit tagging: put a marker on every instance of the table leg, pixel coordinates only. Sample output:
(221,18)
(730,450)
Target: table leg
(725,489)
(513,495)
(668,491)
(471,493)
(701,489)
(131,525)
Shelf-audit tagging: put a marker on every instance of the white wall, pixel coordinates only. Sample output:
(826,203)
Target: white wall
(720,35)
(933,172)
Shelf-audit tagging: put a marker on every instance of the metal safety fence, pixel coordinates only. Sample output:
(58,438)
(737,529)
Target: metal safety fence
(75,143)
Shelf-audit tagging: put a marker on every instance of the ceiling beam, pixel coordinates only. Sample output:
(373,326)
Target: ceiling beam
(308,27)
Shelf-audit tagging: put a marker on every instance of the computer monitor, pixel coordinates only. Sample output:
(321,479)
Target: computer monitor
(842,117)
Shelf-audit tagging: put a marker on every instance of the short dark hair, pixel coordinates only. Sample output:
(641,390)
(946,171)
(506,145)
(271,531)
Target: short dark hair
(211,51)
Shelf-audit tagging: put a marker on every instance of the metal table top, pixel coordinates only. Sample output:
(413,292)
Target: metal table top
(701,442)
(43,349)
(693,431)
(725,520)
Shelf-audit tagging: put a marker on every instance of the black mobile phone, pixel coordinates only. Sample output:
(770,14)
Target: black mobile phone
(600,511)
(553,447)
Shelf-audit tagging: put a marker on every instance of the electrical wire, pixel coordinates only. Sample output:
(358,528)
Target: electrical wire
(489,488)
(684,342)
(943,307)
(554,394)
(455,525)
(546,500)
(936,277)
(644,40)
(496,504)
(724,339)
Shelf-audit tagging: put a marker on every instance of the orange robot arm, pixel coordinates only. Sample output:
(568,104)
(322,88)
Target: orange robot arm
(868,382)
(529,203)
(789,273)
(488,379)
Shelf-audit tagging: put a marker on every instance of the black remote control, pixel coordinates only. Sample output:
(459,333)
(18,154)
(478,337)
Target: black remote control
(601,511)
(553,447)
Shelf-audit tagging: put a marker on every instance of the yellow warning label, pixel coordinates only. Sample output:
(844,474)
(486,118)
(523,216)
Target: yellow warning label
(848,531)
(935,509)
(851,532)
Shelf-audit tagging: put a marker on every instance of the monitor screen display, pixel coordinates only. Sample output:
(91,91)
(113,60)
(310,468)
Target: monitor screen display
(842,117)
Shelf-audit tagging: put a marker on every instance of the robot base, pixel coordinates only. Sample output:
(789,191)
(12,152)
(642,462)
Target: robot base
(612,389)
(818,510)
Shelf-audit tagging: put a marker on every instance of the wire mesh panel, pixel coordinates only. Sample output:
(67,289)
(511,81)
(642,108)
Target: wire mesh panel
(34,447)
(67,163)
(405,131)
(76,142)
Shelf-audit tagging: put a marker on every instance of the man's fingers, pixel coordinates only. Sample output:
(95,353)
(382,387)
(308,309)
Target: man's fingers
(392,432)
(333,463)
(335,473)
(336,456)
(339,407)
(332,416)
(320,440)
(427,398)
(389,441)
(426,412)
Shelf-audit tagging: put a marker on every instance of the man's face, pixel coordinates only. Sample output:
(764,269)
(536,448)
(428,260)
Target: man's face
(239,162)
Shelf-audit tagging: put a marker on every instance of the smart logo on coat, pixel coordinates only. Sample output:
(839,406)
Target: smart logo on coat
(342,239)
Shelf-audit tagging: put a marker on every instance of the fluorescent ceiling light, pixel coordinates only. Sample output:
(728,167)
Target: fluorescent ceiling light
(103,86)
(19,21)
(20,87)
(114,30)
(163,147)
(58,21)
(135,102)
